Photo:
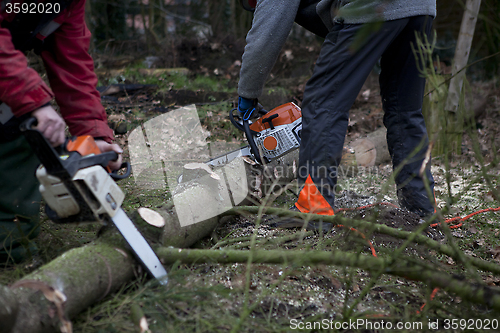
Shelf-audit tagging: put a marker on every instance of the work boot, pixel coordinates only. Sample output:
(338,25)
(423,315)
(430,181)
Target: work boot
(416,202)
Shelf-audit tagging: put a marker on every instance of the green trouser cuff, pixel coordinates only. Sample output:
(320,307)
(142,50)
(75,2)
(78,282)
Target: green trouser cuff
(19,200)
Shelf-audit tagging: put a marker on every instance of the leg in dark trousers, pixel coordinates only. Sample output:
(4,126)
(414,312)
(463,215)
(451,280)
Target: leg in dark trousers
(402,91)
(337,79)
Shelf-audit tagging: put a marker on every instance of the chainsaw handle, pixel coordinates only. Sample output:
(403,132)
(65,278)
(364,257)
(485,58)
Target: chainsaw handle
(128,170)
(251,141)
(270,120)
(28,124)
(244,126)
(67,168)
(48,155)
(237,121)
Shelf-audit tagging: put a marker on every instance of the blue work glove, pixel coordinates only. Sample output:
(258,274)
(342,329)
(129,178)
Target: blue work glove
(246,107)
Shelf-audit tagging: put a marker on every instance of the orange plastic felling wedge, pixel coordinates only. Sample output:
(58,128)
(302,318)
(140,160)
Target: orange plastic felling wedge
(311,201)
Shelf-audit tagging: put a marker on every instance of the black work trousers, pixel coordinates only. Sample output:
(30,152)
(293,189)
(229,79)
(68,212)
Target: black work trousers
(340,72)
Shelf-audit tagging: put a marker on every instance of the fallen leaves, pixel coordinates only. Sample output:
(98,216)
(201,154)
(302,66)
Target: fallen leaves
(495,253)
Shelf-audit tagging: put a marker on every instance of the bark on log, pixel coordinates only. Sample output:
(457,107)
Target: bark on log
(8,309)
(372,149)
(178,235)
(72,282)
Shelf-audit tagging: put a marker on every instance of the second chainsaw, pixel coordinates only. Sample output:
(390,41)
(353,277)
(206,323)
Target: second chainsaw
(274,134)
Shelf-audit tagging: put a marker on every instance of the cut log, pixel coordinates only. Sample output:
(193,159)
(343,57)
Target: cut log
(365,152)
(151,217)
(246,180)
(193,212)
(372,149)
(64,287)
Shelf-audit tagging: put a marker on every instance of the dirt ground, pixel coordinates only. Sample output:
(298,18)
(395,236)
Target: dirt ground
(290,75)
(212,297)
(285,293)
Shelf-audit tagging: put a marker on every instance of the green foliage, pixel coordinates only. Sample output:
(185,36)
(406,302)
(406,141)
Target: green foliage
(173,80)
(263,298)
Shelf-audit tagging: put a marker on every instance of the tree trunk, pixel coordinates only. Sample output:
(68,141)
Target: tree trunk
(46,298)
(455,106)
(203,195)
(462,53)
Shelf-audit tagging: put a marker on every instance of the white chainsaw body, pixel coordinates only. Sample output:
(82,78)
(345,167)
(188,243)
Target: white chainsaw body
(275,134)
(100,191)
(287,138)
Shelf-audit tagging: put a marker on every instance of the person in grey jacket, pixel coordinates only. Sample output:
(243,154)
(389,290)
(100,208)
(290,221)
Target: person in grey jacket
(271,25)
(341,69)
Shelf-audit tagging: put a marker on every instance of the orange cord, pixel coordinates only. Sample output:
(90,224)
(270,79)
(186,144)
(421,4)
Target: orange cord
(433,294)
(434,225)
(367,206)
(374,253)
(462,219)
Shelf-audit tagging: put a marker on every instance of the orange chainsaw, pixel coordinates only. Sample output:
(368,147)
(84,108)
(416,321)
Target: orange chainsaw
(77,187)
(274,134)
